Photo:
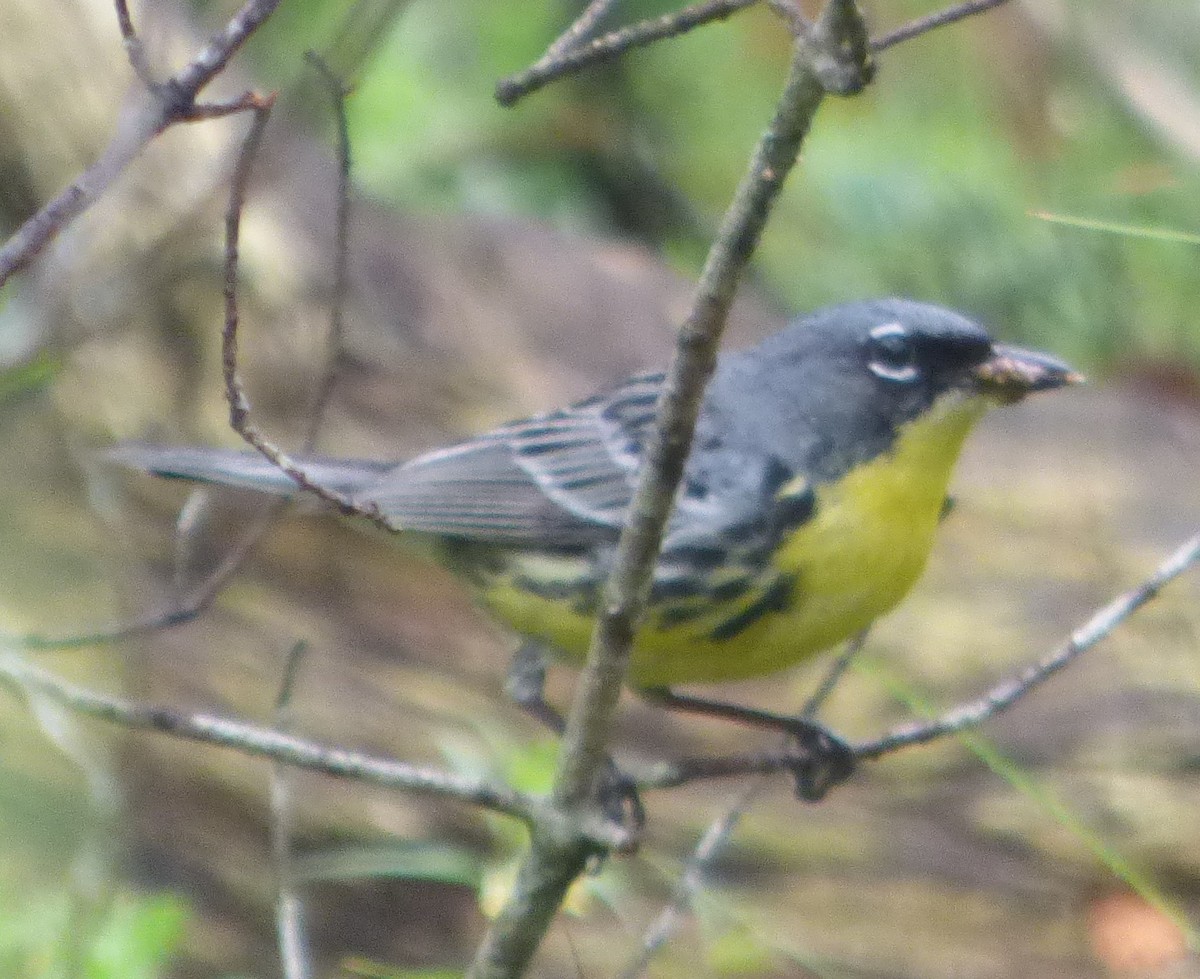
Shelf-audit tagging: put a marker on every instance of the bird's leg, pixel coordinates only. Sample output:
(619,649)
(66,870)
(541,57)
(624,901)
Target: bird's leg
(526,685)
(825,760)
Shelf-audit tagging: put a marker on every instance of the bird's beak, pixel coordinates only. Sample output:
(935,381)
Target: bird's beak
(1011,373)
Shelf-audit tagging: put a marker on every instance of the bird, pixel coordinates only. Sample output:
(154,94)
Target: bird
(808,507)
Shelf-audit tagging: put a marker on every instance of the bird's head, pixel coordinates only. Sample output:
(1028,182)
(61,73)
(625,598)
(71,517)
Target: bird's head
(858,373)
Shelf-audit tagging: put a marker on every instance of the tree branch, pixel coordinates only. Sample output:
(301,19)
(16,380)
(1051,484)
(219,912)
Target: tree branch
(290,930)
(251,739)
(941,18)
(553,861)
(161,105)
(1006,694)
(235,392)
(583,27)
(572,58)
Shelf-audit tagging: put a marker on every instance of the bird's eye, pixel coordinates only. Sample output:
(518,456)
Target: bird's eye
(893,355)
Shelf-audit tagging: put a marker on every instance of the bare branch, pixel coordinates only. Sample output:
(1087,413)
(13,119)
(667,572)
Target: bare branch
(341,255)
(668,921)
(609,46)
(834,675)
(941,18)
(1005,695)
(679,405)
(584,26)
(182,611)
(251,739)
(554,861)
(203,111)
(198,599)
(210,62)
(235,393)
(289,908)
(124,21)
(134,50)
(161,105)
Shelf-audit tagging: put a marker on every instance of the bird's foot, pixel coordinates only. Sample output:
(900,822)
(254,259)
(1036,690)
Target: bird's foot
(819,759)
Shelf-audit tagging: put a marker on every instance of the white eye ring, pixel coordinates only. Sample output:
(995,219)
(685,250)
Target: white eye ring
(895,356)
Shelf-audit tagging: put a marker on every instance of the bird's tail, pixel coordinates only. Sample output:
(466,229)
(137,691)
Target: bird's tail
(245,470)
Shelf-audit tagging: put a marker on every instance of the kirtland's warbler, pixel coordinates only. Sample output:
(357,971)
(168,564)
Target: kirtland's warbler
(807,509)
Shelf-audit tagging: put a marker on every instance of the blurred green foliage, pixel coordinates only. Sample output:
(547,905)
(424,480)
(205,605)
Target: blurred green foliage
(42,936)
(926,186)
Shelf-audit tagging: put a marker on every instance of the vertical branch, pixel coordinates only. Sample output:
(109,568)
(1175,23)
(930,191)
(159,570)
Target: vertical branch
(289,908)
(554,861)
(589,723)
(341,245)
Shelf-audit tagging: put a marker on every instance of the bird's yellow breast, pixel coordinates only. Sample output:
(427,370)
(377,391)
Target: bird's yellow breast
(859,554)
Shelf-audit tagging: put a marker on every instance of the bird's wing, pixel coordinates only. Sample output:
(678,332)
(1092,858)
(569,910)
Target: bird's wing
(560,480)
(737,502)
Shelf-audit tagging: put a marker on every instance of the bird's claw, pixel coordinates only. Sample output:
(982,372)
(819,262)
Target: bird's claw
(620,800)
(821,761)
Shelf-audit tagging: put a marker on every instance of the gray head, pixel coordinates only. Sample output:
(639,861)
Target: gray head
(836,385)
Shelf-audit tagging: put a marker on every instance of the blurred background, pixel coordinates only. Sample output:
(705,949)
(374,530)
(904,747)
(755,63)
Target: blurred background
(505,261)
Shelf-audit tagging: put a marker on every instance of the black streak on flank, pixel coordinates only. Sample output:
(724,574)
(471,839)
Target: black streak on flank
(775,476)
(703,558)
(675,615)
(777,598)
(681,586)
(729,590)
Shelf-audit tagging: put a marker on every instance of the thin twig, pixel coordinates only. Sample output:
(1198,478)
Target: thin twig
(203,111)
(683,771)
(583,27)
(335,341)
(191,604)
(135,51)
(235,393)
(608,46)
(792,15)
(289,907)
(211,61)
(673,914)
(941,18)
(162,104)
(712,843)
(124,21)
(263,742)
(182,611)
(834,675)
(1005,695)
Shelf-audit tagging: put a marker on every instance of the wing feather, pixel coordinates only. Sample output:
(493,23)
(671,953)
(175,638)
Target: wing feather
(562,479)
